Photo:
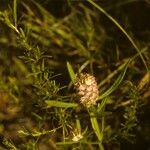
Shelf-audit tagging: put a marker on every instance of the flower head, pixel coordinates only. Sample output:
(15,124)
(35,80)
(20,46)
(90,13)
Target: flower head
(87,89)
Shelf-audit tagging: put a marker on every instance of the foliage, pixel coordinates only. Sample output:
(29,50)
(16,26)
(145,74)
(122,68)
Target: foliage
(42,50)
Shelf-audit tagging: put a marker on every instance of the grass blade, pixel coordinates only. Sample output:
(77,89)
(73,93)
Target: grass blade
(15,12)
(95,127)
(52,103)
(71,72)
(116,83)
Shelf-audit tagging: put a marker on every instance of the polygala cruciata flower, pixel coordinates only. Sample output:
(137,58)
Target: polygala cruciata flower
(87,89)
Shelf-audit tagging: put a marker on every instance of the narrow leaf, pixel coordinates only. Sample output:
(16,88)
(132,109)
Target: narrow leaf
(116,83)
(103,103)
(52,103)
(71,72)
(95,127)
(15,12)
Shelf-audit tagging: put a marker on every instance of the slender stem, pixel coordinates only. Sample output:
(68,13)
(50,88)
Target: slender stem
(15,12)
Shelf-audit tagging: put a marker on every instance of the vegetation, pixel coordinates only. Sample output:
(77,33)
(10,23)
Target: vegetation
(45,46)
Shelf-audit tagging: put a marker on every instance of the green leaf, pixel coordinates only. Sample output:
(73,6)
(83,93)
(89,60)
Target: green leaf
(52,103)
(95,127)
(103,103)
(116,83)
(71,72)
(15,12)
(78,124)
